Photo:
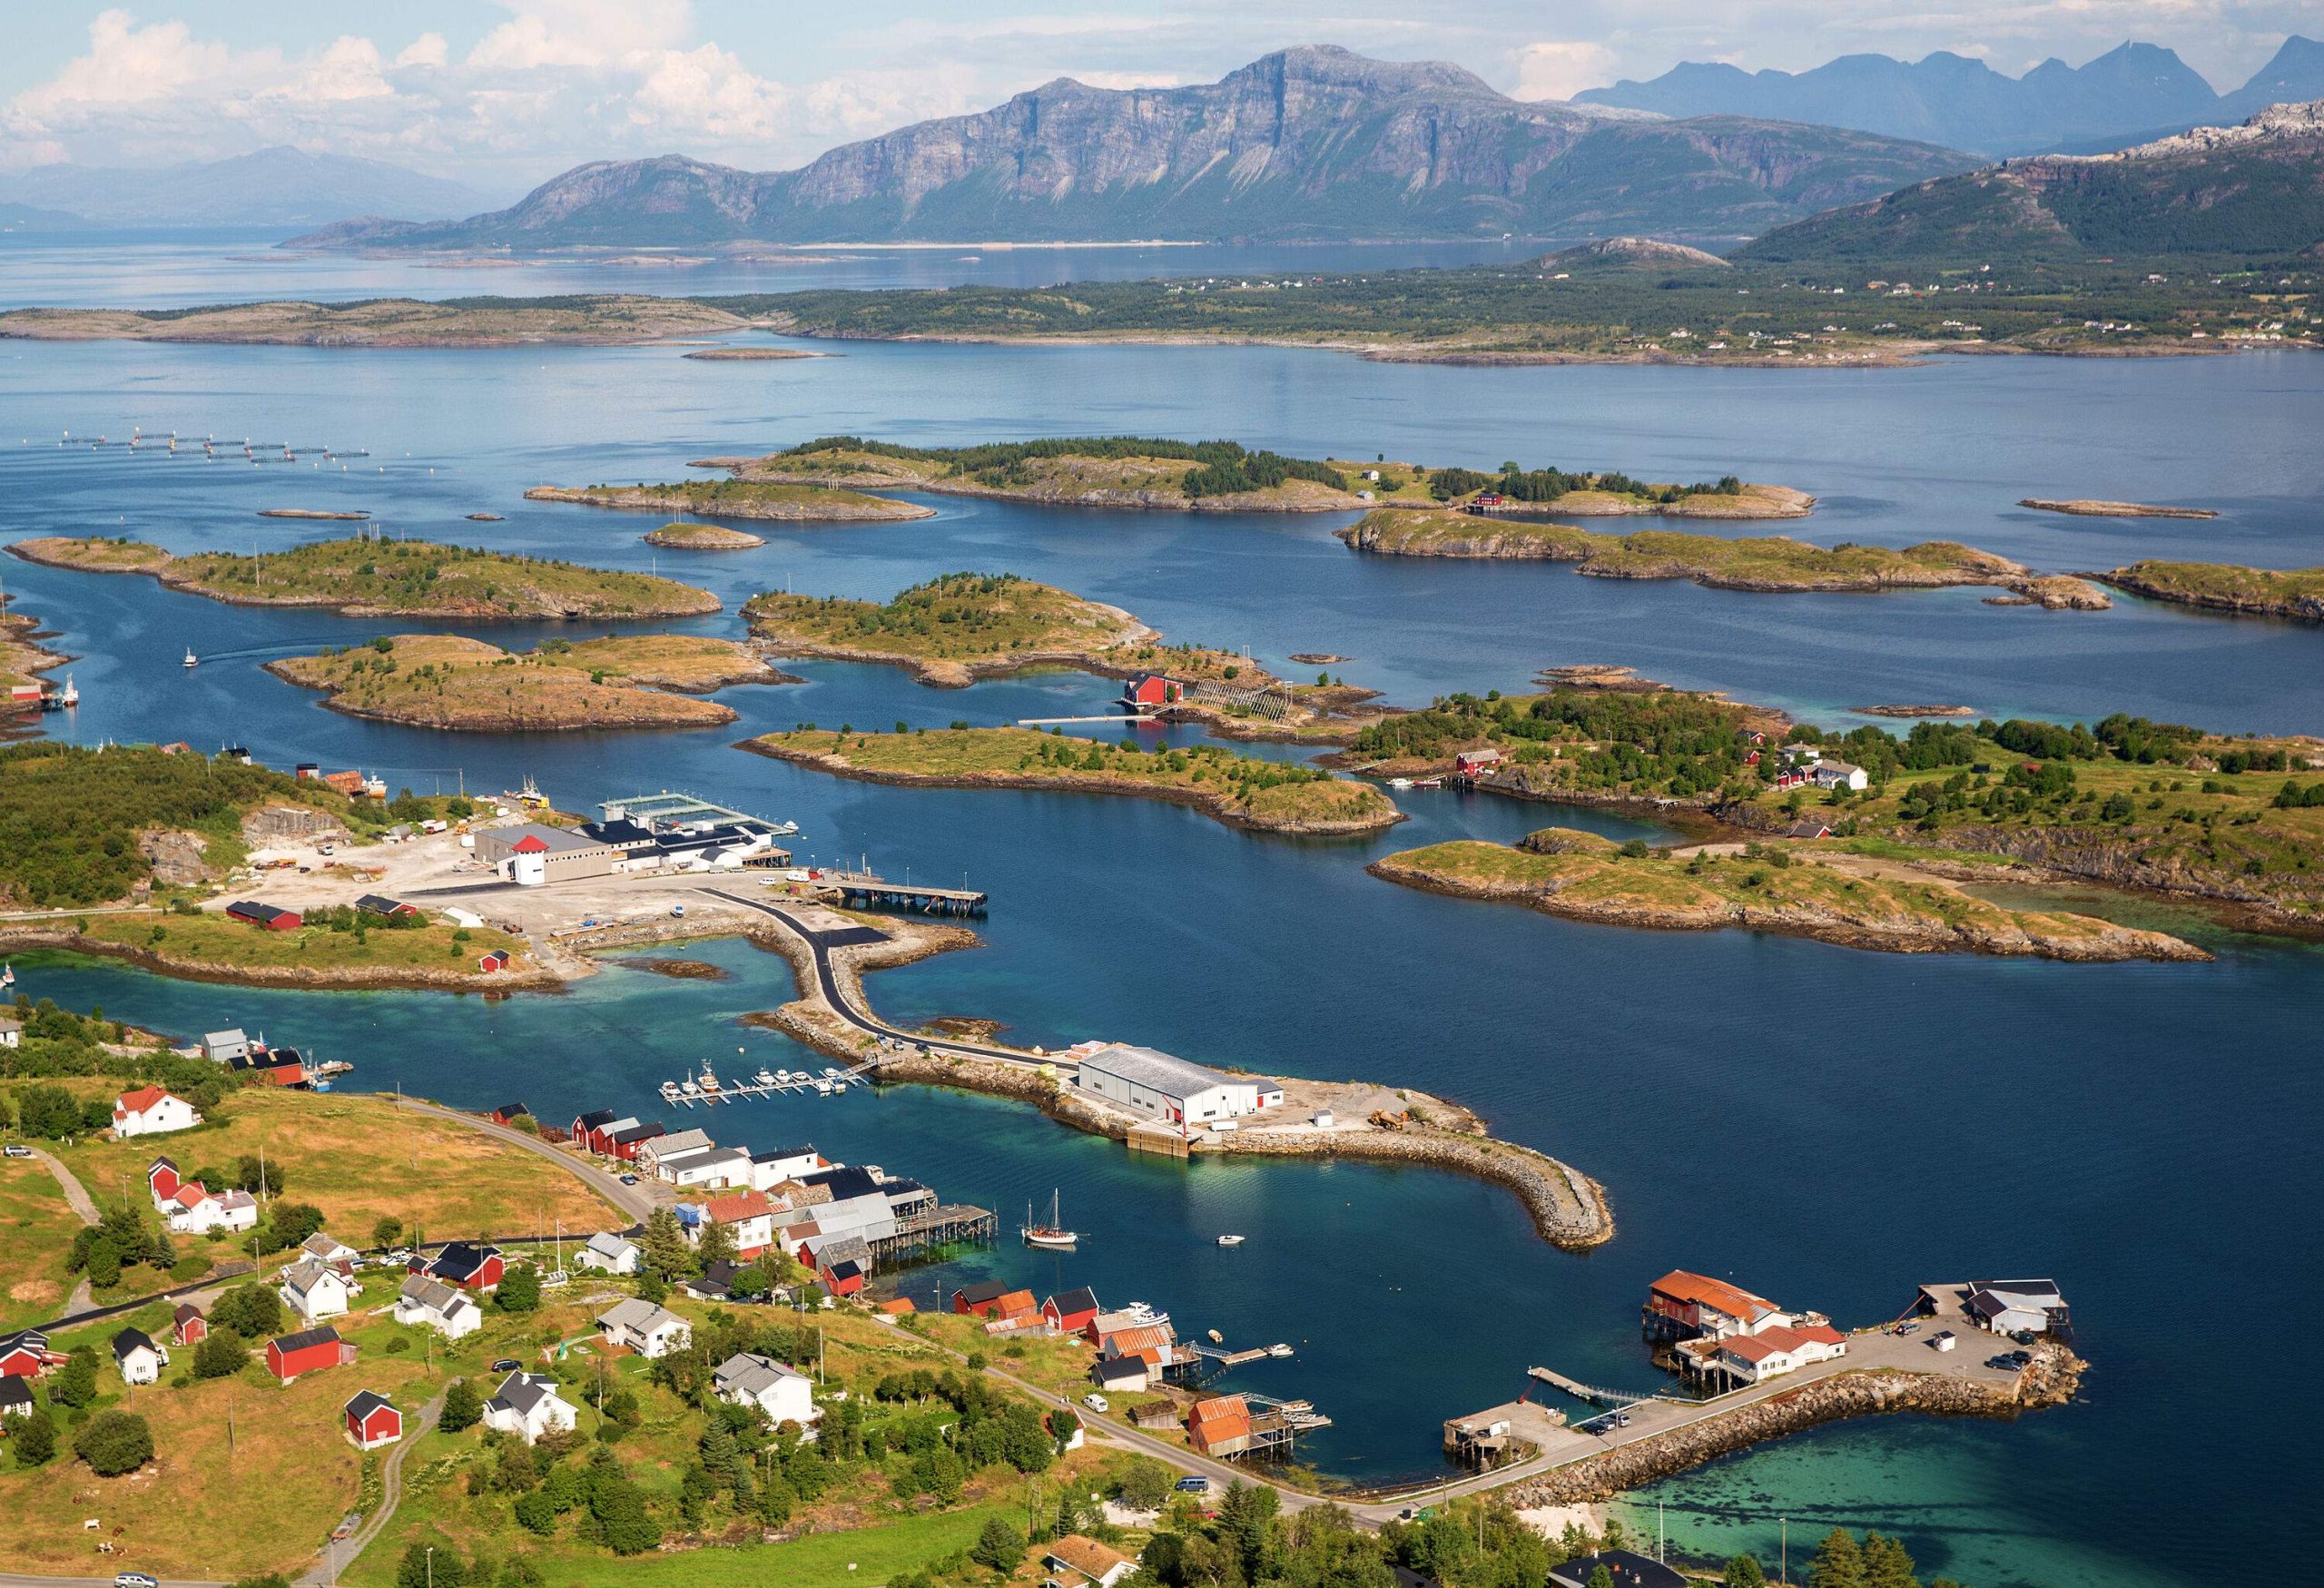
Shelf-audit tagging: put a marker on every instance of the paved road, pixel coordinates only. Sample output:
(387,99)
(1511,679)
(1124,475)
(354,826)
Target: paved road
(856,1014)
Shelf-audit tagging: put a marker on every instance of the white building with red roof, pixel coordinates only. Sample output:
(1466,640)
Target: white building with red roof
(749,1215)
(1691,1306)
(150,1111)
(195,1211)
(1777,1350)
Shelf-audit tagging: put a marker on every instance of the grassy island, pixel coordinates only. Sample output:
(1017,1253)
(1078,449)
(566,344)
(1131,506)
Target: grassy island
(2296,593)
(1767,563)
(1561,871)
(738,499)
(1147,472)
(951,629)
(389,322)
(21,658)
(363,577)
(444,681)
(1263,796)
(701,538)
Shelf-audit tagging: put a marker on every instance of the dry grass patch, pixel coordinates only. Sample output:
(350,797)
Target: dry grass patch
(36,1230)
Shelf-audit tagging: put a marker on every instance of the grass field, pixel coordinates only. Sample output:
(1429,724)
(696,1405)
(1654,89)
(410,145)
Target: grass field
(359,1158)
(212,938)
(1265,793)
(37,1231)
(2289,592)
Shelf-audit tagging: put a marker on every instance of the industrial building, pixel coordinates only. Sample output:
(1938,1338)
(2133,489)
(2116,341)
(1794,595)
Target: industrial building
(1184,1093)
(529,854)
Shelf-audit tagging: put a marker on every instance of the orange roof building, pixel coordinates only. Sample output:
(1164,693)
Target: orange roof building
(1691,1304)
(1220,1426)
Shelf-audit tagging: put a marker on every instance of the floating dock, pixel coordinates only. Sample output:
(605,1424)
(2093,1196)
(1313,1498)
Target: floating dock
(731,1091)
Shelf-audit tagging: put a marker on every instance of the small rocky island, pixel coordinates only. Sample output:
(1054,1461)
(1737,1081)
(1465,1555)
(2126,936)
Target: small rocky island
(1264,796)
(731,498)
(585,320)
(702,538)
(951,630)
(2087,507)
(363,577)
(465,685)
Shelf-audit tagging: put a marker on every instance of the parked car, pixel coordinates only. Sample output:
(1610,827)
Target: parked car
(507,1364)
(1194,1484)
(1095,1402)
(136,1580)
(629,1179)
(17,1150)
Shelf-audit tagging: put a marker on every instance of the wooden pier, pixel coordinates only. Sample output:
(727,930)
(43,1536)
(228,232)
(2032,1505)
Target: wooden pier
(933,1228)
(1590,1392)
(868,889)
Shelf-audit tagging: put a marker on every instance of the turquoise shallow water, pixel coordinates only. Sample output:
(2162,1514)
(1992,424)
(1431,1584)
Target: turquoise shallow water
(1830,1127)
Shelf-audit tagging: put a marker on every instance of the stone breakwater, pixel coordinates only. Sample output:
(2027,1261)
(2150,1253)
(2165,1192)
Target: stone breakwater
(2050,1380)
(1568,1209)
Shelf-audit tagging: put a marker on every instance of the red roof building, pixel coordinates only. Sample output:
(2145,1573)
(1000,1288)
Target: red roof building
(161,1180)
(1220,1426)
(1695,1304)
(308,1351)
(1069,1312)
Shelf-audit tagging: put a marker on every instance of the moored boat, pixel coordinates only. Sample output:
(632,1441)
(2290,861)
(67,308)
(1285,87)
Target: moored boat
(1052,1235)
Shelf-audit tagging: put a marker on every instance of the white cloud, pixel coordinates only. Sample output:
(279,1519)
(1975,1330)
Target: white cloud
(589,34)
(1559,69)
(428,50)
(127,64)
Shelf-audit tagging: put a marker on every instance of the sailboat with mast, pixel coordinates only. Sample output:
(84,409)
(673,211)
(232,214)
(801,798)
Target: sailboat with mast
(1052,1235)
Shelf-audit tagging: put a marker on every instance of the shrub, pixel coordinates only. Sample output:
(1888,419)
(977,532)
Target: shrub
(113,1442)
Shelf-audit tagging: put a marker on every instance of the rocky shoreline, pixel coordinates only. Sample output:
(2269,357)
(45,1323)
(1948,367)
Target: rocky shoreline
(2298,606)
(343,978)
(2052,1379)
(645,498)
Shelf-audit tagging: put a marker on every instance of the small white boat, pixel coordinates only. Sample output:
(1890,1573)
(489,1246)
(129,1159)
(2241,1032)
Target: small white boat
(1230,1240)
(1400,782)
(823,1088)
(191,660)
(1278,1349)
(1215,1338)
(8,975)
(670,1092)
(688,1088)
(765,1078)
(71,694)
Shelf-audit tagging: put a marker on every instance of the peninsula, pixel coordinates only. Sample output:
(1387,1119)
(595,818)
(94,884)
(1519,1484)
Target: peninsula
(735,499)
(701,538)
(2295,593)
(1143,472)
(1559,871)
(1769,562)
(389,322)
(447,682)
(1264,796)
(365,577)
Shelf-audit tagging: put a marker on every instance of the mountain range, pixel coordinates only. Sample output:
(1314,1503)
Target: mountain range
(1311,144)
(272,187)
(2132,93)
(2257,188)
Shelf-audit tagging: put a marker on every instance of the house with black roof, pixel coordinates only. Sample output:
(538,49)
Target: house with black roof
(141,1361)
(380,904)
(1627,1568)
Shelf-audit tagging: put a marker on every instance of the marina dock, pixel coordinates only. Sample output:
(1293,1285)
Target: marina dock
(731,1091)
(865,889)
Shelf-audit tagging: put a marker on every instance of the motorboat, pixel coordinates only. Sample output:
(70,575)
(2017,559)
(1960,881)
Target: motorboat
(1215,1338)
(1278,1349)
(670,1092)
(1230,1240)
(688,1088)
(191,660)
(1400,782)
(709,1079)
(823,1088)
(1053,1235)
(765,1078)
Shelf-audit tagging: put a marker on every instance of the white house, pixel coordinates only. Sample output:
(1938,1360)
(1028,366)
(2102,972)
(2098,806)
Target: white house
(610,1254)
(1840,774)
(645,1328)
(715,1167)
(141,1361)
(1773,1352)
(2009,1307)
(150,1111)
(651,1155)
(1185,1093)
(331,1251)
(748,1216)
(12,1032)
(770,1169)
(195,1211)
(435,1305)
(526,1405)
(315,1291)
(783,1393)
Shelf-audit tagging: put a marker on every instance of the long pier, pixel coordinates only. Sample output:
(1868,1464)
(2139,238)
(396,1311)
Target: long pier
(729,1091)
(869,888)
(1617,1398)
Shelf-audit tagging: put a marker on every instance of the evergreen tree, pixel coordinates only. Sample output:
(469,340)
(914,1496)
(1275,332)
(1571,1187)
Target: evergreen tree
(220,1354)
(1600,1577)
(1000,1545)
(463,1407)
(1886,1563)
(664,1245)
(35,1437)
(718,1244)
(1743,1572)
(1838,1563)
(521,1289)
(77,1385)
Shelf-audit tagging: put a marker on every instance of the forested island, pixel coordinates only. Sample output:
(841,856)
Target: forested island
(366,578)
(1267,796)
(448,682)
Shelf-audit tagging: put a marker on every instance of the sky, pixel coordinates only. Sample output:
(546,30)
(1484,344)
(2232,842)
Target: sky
(502,93)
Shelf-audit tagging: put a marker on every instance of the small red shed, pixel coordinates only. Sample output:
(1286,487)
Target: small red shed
(498,960)
(267,917)
(308,1351)
(372,1421)
(189,1327)
(1069,1311)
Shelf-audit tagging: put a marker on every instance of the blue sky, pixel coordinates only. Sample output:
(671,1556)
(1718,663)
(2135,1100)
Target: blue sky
(503,92)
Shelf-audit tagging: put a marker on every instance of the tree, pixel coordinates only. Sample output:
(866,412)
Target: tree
(423,1566)
(251,1311)
(1600,1577)
(521,1289)
(77,1385)
(662,1246)
(386,1232)
(103,1263)
(1743,1572)
(1886,1563)
(292,1222)
(1063,1426)
(1000,1545)
(35,1437)
(48,1111)
(463,1407)
(1838,1563)
(537,1511)
(716,1245)
(221,1355)
(256,1177)
(1145,1485)
(619,1507)
(113,1442)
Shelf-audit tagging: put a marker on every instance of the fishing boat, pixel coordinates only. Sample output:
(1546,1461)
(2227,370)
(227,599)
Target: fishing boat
(191,660)
(1215,1338)
(8,975)
(1230,1240)
(1400,782)
(688,1088)
(70,695)
(709,1079)
(1052,1235)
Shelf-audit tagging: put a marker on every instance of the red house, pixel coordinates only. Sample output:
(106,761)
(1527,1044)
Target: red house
(161,1180)
(596,1119)
(267,917)
(508,1111)
(1469,762)
(26,1355)
(1153,689)
(308,1351)
(461,1264)
(372,1421)
(1069,1311)
(498,960)
(842,1278)
(189,1327)
(979,1300)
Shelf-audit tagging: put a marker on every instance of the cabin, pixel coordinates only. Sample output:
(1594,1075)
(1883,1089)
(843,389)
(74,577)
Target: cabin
(1122,1376)
(265,917)
(1150,689)
(315,1291)
(188,1327)
(609,1254)
(1075,1562)
(141,1361)
(1840,774)
(150,1111)
(492,960)
(671,1144)
(12,1032)
(644,1328)
(601,1136)
(508,1112)
(432,1304)
(275,1066)
(979,1300)
(585,1123)
(783,1393)
(847,1275)
(161,1180)
(1069,1312)
(331,1251)
(1807,829)
(381,905)
(771,1169)
(712,1168)
(225,1047)
(289,1356)
(371,1421)
(463,1265)
(526,1405)
(623,1144)
(1472,762)
(1486,501)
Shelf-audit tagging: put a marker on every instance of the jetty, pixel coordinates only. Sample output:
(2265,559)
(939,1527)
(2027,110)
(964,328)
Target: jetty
(1043,721)
(867,888)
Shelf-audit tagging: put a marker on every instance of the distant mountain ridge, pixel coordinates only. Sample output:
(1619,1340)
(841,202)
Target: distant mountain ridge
(2133,92)
(2257,189)
(272,187)
(1308,144)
